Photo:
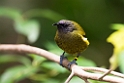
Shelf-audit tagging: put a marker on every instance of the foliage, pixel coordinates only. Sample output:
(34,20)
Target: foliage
(117,39)
(27,26)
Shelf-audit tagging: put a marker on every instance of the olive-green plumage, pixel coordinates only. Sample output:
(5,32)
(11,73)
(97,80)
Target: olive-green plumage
(70,37)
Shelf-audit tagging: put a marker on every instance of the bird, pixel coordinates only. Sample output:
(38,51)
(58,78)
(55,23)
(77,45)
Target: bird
(70,37)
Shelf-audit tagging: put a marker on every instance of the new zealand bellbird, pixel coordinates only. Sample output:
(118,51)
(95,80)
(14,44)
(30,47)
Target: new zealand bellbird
(70,38)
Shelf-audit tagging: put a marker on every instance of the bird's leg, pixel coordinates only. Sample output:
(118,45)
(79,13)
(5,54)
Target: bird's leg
(62,57)
(74,61)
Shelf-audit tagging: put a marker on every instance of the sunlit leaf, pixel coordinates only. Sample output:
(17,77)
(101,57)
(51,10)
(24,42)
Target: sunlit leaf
(29,28)
(117,26)
(117,39)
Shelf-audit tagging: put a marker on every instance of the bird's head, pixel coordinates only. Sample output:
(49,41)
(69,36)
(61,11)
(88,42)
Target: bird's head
(65,26)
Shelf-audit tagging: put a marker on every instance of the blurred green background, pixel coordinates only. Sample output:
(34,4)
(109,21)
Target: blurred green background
(30,22)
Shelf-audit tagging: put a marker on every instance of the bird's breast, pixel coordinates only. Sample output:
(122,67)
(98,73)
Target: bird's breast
(71,43)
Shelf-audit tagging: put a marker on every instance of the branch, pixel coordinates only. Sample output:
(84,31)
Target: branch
(79,71)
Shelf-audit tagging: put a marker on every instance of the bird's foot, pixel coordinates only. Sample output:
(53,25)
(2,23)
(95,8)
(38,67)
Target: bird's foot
(72,62)
(62,57)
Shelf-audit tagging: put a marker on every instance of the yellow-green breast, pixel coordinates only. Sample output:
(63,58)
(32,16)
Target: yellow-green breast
(71,43)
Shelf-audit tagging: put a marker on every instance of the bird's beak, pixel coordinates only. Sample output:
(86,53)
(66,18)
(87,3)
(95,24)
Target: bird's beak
(54,24)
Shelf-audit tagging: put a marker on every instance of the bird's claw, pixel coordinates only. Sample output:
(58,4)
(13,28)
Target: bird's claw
(72,62)
(61,60)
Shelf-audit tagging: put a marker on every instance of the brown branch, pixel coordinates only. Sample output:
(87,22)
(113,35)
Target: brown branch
(78,71)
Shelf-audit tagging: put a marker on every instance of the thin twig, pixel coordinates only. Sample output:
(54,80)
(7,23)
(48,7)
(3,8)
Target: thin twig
(106,73)
(98,69)
(72,74)
(70,77)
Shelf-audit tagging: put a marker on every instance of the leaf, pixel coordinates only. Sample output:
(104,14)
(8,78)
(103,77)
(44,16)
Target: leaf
(117,26)
(51,65)
(95,81)
(85,62)
(76,80)
(46,13)
(51,15)
(52,47)
(29,28)
(50,80)
(16,73)
(37,60)
(117,39)
(113,61)
(7,58)
(121,61)
(9,12)
(10,58)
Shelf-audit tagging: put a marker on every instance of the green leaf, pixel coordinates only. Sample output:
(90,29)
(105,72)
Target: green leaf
(121,61)
(9,12)
(117,26)
(85,62)
(95,81)
(17,73)
(50,80)
(76,80)
(56,67)
(46,13)
(52,47)
(10,58)
(37,60)
(7,58)
(29,28)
